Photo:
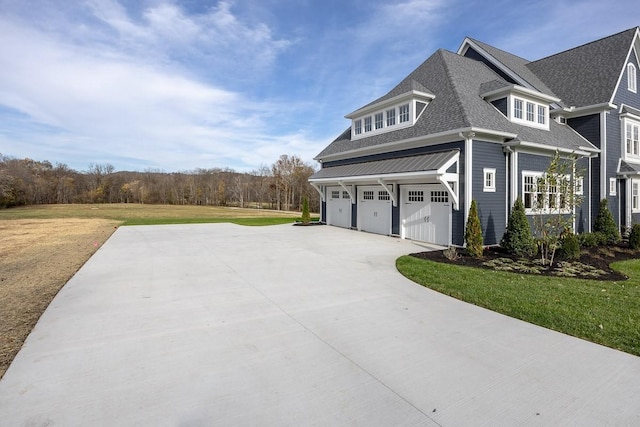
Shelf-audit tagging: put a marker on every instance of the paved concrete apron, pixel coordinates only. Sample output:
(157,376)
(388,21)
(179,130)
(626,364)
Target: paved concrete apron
(227,325)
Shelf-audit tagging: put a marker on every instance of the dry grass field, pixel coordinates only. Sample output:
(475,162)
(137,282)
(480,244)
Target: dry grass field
(42,247)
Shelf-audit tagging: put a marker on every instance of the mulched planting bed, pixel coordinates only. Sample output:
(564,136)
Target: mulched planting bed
(592,264)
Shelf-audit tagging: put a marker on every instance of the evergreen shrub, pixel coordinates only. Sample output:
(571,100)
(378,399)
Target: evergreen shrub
(473,232)
(605,223)
(634,237)
(517,239)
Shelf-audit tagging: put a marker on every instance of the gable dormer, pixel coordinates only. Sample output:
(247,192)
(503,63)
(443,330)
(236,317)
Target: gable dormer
(519,104)
(389,114)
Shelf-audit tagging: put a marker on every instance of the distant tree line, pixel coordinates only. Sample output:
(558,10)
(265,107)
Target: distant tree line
(282,186)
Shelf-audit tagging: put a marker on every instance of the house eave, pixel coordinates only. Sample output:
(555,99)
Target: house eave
(521,90)
(412,94)
(571,112)
(581,151)
(441,137)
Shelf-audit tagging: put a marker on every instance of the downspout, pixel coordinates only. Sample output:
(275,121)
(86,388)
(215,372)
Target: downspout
(508,168)
(603,156)
(468,169)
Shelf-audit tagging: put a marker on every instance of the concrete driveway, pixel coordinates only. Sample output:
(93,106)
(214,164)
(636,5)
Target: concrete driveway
(202,325)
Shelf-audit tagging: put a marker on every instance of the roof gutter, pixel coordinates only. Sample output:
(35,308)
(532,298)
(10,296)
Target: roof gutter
(569,112)
(447,136)
(581,151)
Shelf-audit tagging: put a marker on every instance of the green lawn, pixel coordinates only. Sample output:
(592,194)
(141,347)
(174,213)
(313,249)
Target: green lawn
(603,312)
(137,214)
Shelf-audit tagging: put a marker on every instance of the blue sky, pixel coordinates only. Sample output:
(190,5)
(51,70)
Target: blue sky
(179,85)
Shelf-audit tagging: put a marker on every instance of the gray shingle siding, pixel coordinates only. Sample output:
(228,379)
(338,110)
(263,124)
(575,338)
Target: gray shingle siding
(491,205)
(588,127)
(624,95)
(501,105)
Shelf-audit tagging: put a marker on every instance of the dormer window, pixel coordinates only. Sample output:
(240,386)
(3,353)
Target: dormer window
(517,108)
(391,117)
(404,113)
(396,113)
(542,114)
(522,105)
(379,120)
(631,78)
(367,124)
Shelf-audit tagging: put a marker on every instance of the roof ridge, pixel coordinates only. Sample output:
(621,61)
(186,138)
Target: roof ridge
(441,53)
(497,48)
(587,44)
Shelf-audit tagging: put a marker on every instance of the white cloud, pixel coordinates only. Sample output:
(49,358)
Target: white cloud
(100,102)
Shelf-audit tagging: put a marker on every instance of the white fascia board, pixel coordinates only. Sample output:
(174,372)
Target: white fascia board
(519,90)
(635,42)
(436,138)
(537,146)
(384,177)
(581,111)
(413,94)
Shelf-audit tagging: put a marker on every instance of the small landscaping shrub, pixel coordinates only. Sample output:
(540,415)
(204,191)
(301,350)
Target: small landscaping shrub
(517,239)
(570,246)
(606,224)
(634,237)
(451,253)
(591,240)
(473,232)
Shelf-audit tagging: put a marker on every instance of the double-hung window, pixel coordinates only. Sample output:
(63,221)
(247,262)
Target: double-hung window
(632,138)
(358,127)
(404,113)
(631,78)
(367,124)
(612,187)
(517,108)
(391,117)
(542,114)
(489,180)
(379,120)
(635,195)
(530,109)
(548,194)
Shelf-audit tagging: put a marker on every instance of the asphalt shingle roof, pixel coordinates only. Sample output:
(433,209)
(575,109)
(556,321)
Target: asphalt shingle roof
(629,168)
(517,65)
(456,82)
(586,75)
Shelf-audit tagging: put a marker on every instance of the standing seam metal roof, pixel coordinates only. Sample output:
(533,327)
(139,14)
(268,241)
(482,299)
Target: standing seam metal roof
(421,163)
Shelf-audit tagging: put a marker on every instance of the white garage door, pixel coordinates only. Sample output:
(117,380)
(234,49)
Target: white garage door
(425,214)
(374,210)
(338,207)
